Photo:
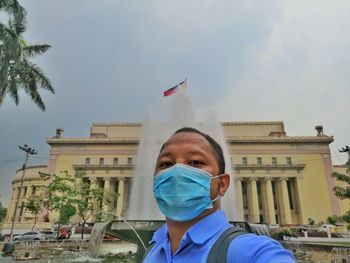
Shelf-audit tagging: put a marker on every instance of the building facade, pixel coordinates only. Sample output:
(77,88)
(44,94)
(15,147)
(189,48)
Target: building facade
(277,178)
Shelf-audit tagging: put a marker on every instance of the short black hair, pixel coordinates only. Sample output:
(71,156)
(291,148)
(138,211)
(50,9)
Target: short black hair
(219,155)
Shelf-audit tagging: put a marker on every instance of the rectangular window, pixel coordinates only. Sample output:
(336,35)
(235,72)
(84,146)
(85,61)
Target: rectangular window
(261,218)
(290,196)
(274,161)
(258,188)
(259,161)
(102,160)
(115,161)
(129,161)
(244,195)
(87,160)
(277,219)
(244,161)
(289,160)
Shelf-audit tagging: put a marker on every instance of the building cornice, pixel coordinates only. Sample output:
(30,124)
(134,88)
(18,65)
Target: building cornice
(251,122)
(282,139)
(115,140)
(117,124)
(32,167)
(223,123)
(296,167)
(103,167)
(229,139)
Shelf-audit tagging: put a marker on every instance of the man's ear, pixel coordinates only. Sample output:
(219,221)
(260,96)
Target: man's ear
(224,184)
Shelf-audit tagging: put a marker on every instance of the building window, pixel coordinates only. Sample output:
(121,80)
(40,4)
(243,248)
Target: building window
(274,161)
(290,196)
(115,161)
(87,160)
(258,188)
(102,160)
(259,161)
(244,195)
(129,161)
(277,219)
(261,218)
(244,161)
(289,160)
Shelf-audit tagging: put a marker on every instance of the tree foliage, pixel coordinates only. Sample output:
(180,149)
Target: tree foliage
(34,204)
(73,194)
(16,69)
(343,192)
(62,196)
(3,211)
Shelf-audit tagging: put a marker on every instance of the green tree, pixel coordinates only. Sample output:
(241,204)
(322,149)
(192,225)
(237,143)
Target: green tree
(16,69)
(332,219)
(343,192)
(3,211)
(61,196)
(89,200)
(72,194)
(34,205)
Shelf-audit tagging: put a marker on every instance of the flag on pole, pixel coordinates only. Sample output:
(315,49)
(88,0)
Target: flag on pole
(181,85)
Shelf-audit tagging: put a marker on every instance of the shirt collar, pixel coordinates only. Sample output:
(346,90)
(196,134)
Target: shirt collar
(207,227)
(160,235)
(199,232)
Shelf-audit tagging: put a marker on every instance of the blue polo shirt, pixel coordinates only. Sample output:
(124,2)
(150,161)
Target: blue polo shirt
(199,239)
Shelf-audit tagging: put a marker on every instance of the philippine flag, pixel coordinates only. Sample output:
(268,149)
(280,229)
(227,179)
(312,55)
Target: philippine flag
(181,85)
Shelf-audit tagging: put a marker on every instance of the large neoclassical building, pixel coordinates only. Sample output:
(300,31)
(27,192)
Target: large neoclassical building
(277,178)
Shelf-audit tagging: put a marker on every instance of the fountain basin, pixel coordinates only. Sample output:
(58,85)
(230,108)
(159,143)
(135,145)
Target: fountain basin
(145,230)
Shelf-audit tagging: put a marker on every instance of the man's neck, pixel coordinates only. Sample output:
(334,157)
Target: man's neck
(177,229)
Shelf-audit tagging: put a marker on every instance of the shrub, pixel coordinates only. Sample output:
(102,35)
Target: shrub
(288,232)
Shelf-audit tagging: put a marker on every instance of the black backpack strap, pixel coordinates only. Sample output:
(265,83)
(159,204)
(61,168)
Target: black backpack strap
(218,252)
(148,250)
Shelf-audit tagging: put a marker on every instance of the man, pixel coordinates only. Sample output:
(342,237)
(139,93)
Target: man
(189,182)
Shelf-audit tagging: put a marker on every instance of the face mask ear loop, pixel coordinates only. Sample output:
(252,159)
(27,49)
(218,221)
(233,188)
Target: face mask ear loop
(217,197)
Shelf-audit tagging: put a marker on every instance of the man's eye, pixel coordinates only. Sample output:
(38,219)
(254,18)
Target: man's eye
(164,165)
(195,163)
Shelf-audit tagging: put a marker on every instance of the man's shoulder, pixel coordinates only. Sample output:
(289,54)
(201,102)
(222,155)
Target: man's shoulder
(253,248)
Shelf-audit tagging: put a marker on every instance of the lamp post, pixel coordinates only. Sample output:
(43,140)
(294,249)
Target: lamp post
(28,151)
(346,149)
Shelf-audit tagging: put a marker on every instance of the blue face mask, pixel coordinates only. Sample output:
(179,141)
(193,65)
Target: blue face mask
(182,192)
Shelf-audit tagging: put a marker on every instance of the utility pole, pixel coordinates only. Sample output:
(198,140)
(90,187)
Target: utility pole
(346,149)
(28,151)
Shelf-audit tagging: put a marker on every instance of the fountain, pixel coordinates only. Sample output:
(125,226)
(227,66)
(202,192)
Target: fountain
(161,122)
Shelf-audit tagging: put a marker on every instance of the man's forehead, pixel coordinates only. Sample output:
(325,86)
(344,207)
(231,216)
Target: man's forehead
(187,138)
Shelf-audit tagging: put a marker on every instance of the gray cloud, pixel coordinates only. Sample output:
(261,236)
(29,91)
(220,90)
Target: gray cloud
(111,59)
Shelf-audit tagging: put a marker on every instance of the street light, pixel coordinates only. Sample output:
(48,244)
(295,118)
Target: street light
(28,151)
(346,149)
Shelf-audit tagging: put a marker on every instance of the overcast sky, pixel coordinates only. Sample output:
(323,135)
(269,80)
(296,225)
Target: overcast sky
(251,60)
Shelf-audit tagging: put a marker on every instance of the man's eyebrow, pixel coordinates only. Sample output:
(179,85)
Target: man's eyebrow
(189,153)
(164,154)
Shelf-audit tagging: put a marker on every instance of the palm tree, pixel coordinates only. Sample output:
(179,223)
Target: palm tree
(16,70)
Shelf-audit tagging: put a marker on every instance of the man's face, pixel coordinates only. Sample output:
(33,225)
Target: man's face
(191,149)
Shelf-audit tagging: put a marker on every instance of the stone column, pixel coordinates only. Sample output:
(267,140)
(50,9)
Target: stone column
(28,194)
(113,193)
(107,192)
(121,193)
(253,201)
(20,203)
(300,201)
(269,202)
(11,210)
(239,198)
(286,214)
(94,185)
